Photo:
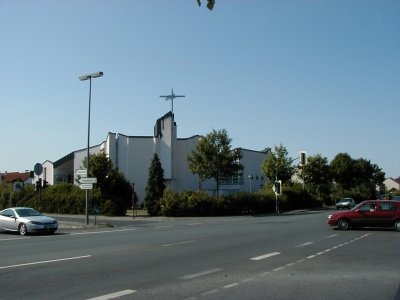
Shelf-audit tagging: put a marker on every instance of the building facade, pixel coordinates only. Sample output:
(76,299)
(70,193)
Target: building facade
(16,179)
(392,184)
(132,156)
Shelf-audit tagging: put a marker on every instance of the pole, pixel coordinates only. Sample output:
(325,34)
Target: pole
(133,200)
(276,195)
(87,154)
(82,78)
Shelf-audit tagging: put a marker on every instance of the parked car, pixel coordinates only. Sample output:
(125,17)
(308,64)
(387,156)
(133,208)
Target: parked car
(345,203)
(370,213)
(26,220)
(396,198)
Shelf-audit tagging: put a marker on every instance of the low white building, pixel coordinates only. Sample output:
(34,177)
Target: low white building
(132,156)
(392,184)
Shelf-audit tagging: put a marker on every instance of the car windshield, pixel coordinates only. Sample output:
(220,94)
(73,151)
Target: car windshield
(27,212)
(344,200)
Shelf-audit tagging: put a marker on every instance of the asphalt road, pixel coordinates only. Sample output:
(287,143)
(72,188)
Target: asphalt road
(293,256)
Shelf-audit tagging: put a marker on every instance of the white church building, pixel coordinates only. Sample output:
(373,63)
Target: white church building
(132,156)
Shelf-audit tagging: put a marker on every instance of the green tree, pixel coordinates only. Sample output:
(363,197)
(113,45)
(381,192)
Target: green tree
(100,166)
(278,166)
(342,168)
(155,186)
(115,189)
(367,177)
(214,158)
(317,173)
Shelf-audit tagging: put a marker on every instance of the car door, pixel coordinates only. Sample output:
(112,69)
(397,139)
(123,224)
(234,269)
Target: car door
(385,213)
(364,215)
(7,220)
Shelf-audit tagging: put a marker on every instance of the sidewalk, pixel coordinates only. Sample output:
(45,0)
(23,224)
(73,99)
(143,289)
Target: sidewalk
(78,221)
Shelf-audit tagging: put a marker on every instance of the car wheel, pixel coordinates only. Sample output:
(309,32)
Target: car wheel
(397,226)
(22,229)
(343,224)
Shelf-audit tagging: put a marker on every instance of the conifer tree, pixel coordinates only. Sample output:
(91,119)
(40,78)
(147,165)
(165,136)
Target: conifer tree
(155,186)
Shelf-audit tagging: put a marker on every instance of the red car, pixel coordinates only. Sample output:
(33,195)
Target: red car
(370,213)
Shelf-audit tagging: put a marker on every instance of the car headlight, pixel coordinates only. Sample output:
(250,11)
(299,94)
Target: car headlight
(36,223)
(329,217)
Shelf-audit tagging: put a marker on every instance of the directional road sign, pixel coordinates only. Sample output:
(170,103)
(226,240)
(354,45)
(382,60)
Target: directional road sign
(88,180)
(81,172)
(86,186)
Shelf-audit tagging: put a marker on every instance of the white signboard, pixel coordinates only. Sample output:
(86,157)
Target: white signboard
(86,186)
(88,180)
(81,172)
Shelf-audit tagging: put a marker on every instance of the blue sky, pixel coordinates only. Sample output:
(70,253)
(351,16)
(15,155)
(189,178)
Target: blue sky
(314,75)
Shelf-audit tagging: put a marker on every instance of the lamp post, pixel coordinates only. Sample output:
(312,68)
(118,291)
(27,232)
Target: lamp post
(83,78)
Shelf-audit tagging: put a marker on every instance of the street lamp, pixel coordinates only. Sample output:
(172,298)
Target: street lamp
(83,78)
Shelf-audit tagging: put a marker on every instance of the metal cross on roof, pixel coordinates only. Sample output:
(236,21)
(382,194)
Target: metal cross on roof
(172,97)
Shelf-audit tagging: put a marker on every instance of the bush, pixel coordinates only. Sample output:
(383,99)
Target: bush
(186,203)
(297,198)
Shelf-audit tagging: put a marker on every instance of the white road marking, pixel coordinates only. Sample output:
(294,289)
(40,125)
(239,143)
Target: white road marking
(248,279)
(178,243)
(45,262)
(210,292)
(203,273)
(290,264)
(304,244)
(164,226)
(231,285)
(265,256)
(114,295)
(331,236)
(104,231)
(12,239)
(193,224)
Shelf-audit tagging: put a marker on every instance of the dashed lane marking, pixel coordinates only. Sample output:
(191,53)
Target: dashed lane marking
(114,295)
(179,243)
(265,256)
(45,262)
(203,273)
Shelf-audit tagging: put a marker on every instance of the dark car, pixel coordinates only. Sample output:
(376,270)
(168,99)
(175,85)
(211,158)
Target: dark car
(345,203)
(370,213)
(26,220)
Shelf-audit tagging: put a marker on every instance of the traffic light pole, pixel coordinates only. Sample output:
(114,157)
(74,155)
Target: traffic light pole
(278,191)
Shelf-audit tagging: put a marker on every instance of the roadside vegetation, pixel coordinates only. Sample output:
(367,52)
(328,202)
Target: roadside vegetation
(307,185)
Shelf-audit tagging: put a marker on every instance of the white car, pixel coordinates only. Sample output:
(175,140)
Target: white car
(26,220)
(345,203)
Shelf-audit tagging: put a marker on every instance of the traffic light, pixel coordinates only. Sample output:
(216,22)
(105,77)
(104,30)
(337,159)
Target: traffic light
(45,183)
(303,158)
(278,187)
(39,184)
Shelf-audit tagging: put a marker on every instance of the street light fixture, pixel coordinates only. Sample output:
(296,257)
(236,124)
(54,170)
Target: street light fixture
(83,78)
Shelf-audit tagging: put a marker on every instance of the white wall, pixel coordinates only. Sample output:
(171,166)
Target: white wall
(132,155)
